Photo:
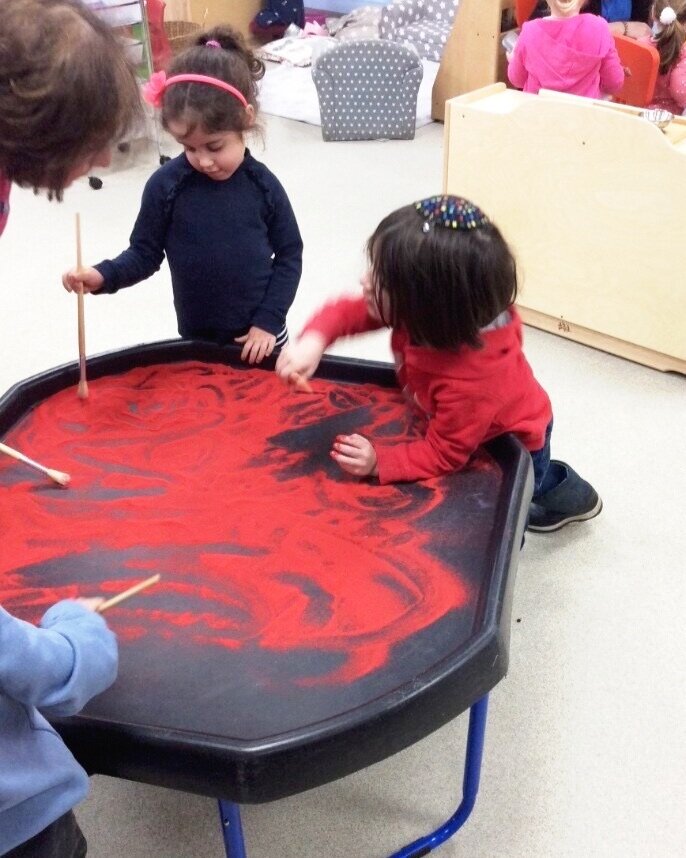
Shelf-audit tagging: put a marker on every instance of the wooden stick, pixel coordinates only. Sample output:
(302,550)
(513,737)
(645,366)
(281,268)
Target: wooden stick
(115,600)
(82,390)
(57,476)
(300,383)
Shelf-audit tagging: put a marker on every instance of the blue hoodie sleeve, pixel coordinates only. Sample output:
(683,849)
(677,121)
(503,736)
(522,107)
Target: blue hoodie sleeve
(60,665)
(287,245)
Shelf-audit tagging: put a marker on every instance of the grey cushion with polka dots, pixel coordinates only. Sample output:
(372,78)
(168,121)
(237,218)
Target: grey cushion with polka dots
(423,24)
(368,90)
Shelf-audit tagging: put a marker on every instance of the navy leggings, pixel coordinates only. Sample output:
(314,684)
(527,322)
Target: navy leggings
(545,477)
(62,839)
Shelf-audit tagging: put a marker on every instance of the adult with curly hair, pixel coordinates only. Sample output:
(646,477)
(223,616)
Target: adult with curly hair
(66,92)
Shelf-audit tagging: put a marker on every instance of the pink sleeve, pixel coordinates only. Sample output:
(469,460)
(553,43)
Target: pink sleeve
(611,70)
(677,81)
(516,72)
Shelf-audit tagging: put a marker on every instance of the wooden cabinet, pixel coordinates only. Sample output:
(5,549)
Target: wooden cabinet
(236,13)
(473,55)
(591,197)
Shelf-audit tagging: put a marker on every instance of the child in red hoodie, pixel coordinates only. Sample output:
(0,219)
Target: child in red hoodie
(567,52)
(444,280)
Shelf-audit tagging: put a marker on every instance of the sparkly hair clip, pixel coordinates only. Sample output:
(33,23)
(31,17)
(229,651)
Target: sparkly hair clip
(450,212)
(212,43)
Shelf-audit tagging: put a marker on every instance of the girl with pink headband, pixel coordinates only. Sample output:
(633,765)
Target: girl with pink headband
(221,218)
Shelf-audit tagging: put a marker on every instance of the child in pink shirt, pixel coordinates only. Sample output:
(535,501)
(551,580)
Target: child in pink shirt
(567,52)
(669,37)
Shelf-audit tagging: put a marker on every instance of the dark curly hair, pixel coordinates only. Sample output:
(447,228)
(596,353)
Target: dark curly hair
(66,90)
(442,285)
(209,107)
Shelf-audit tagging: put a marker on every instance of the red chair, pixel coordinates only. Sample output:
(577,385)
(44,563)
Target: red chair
(523,10)
(643,61)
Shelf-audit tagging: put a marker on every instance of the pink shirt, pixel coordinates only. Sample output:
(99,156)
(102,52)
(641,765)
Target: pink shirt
(575,55)
(5,186)
(670,88)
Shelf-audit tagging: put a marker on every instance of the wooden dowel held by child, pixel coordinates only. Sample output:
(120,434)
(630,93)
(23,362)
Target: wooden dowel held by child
(132,591)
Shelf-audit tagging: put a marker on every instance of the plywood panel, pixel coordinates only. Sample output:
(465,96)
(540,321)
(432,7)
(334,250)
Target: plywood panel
(591,198)
(472,54)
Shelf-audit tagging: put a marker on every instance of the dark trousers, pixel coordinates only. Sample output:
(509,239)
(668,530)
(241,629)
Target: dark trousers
(545,477)
(62,839)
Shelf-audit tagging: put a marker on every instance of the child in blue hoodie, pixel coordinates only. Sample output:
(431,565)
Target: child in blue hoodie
(52,669)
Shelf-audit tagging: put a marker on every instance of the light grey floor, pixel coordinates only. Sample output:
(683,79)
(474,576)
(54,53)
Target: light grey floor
(586,743)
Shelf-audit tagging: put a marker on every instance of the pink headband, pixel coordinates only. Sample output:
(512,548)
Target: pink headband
(155,88)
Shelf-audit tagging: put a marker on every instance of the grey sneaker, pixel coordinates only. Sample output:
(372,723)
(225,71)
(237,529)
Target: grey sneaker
(572,499)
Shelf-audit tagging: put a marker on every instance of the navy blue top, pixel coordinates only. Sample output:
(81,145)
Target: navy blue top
(234,248)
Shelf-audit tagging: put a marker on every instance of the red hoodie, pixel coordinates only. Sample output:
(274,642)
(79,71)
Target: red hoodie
(575,55)
(467,396)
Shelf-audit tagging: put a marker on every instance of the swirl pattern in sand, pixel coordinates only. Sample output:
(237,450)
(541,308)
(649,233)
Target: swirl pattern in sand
(220,479)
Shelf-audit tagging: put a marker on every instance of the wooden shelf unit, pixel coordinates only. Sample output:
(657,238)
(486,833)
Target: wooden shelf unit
(591,197)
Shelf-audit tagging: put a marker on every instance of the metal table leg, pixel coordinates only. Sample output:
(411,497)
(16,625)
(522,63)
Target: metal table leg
(470,787)
(231,816)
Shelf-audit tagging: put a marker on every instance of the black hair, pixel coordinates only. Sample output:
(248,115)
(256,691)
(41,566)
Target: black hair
(210,107)
(441,285)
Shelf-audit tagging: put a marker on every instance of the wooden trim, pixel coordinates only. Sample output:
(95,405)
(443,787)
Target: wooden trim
(478,94)
(587,337)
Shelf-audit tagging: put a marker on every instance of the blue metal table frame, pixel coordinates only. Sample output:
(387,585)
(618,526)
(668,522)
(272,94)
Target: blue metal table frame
(230,813)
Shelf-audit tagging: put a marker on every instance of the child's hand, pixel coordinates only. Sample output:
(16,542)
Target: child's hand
(355,454)
(632,29)
(258,344)
(638,30)
(87,279)
(301,357)
(91,603)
